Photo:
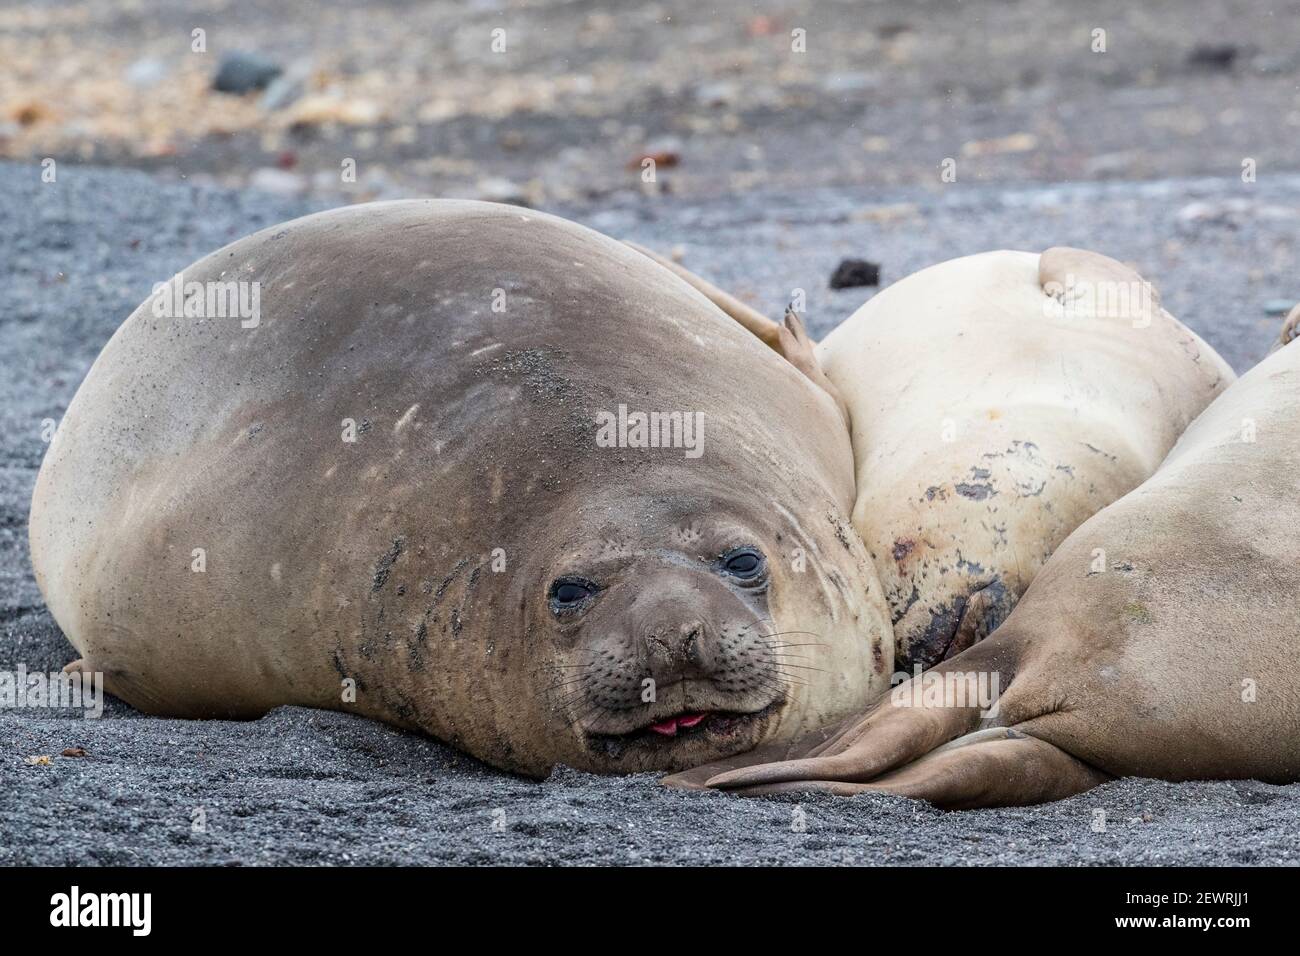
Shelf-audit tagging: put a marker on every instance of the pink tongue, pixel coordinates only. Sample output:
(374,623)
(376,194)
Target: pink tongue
(670,726)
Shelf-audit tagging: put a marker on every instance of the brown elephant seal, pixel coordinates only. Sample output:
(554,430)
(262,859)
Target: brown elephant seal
(788,338)
(426,475)
(996,401)
(1159,640)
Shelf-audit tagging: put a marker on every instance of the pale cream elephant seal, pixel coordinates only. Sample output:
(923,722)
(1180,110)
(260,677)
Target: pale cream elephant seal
(999,400)
(471,470)
(996,402)
(1158,641)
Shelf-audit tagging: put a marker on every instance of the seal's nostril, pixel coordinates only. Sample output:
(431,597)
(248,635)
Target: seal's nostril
(691,633)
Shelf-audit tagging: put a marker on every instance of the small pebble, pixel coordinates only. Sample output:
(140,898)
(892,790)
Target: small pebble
(243,72)
(1213,56)
(146,72)
(281,182)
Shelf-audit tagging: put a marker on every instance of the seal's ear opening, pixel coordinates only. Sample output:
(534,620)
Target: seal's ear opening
(789,340)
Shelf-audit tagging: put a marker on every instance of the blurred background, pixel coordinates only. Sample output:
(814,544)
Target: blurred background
(425,100)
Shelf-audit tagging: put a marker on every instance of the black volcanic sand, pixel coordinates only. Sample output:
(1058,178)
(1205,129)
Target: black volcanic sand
(301,786)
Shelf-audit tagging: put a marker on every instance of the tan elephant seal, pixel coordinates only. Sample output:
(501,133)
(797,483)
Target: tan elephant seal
(495,475)
(1159,641)
(996,402)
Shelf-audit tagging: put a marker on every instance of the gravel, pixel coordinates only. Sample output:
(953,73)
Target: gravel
(309,787)
(880,93)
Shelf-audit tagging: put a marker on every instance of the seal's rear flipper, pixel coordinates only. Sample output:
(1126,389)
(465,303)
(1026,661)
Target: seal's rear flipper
(898,729)
(1002,768)
(789,339)
(1081,278)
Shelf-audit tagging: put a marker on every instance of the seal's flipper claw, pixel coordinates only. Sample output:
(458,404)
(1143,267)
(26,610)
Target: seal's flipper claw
(801,352)
(76,667)
(1289,325)
(975,624)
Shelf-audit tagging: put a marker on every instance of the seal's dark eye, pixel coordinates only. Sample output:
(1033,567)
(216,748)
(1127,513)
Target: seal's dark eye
(743,563)
(569,593)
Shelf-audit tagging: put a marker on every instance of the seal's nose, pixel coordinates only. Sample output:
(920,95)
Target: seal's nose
(675,650)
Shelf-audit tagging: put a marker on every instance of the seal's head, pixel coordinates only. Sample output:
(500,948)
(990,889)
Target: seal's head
(694,624)
(674,650)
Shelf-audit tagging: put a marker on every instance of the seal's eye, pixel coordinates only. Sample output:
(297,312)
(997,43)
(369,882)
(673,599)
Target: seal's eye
(744,563)
(568,594)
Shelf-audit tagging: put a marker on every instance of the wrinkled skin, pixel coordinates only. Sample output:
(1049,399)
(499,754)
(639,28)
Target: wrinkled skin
(207,536)
(1171,655)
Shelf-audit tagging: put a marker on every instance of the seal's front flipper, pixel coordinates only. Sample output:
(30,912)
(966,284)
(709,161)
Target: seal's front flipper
(800,351)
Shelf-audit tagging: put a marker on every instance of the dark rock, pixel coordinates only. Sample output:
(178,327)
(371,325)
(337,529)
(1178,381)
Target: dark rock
(244,72)
(1213,56)
(855,272)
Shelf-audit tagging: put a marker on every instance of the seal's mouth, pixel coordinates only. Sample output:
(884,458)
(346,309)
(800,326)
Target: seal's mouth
(683,722)
(704,726)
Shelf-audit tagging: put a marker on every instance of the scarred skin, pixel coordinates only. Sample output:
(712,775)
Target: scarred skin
(998,401)
(419,563)
(1158,640)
